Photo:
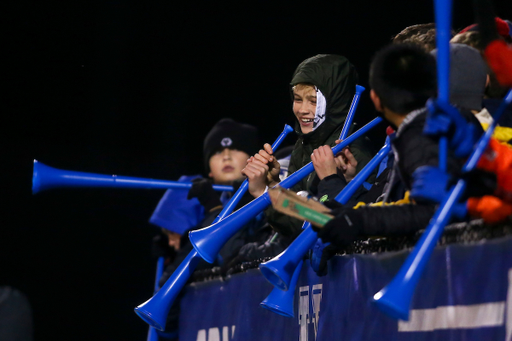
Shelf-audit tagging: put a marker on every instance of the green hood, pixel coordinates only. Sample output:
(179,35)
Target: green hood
(336,78)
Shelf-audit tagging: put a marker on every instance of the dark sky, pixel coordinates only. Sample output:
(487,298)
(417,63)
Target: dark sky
(131,88)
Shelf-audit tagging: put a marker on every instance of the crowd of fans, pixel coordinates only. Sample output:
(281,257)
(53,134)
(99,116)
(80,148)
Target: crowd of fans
(402,79)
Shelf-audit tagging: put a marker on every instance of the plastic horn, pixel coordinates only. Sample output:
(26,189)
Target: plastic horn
(209,240)
(344,133)
(279,270)
(281,302)
(152,333)
(346,128)
(351,112)
(230,206)
(395,299)
(155,310)
(443,11)
(46,177)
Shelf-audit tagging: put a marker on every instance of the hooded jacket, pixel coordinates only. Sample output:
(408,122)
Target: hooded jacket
(336,78)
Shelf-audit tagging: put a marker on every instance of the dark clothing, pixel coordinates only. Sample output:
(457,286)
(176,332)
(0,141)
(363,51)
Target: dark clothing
(336,78)
(15,316)
(492,104)
(253,231)
(330,186)
(412,149)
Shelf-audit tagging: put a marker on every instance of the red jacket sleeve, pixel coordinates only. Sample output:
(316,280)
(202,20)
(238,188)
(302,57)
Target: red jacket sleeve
(499,57)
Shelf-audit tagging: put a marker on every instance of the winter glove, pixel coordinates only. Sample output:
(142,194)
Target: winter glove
(333,205)
(343,229)
(430,184)
(160,247)
(443,118)
(202,190)
(480,183)
(491,209)
(320,254)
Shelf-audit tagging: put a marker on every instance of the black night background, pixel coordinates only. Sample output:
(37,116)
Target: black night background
(131,88)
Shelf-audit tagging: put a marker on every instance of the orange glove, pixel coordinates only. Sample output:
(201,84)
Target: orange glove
(491,209)
(497,159)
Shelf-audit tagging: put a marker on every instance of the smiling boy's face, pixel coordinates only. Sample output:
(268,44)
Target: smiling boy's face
(226,166)
(304,106)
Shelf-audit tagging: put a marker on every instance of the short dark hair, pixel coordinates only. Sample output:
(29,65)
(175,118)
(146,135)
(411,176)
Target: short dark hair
(404,77)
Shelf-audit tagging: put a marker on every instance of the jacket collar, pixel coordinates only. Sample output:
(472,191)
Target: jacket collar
(408,119)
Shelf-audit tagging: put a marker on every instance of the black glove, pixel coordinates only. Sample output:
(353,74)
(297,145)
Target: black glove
(202,190)
(480,183)
(160,247)
(333,205)
(320,254)
(343,229)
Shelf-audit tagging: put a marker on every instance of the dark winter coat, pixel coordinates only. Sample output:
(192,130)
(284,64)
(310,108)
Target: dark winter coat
(412,149)
(336,78)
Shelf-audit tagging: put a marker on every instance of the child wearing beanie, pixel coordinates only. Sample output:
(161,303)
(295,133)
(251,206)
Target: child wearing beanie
(226,149)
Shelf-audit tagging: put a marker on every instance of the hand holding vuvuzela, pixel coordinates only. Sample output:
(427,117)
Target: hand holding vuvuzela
(262,170)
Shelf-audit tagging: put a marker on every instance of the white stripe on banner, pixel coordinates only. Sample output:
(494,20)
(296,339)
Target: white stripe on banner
(452,317)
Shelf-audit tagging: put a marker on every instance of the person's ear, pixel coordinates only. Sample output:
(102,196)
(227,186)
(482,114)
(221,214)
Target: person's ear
(487,80)
(376,101)
(210,175)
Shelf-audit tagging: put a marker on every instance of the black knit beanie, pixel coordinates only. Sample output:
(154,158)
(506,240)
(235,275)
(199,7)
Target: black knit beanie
(230,134)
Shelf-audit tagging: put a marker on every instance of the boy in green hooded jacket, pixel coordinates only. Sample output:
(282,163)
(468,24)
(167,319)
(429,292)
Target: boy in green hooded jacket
(322,90)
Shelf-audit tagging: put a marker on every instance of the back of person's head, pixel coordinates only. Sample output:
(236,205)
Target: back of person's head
(423,35)
(471,36)
(403,76)
(503,27)
(468,76)
(232,135)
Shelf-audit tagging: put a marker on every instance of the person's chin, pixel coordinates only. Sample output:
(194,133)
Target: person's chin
(229,179)
(226,180)
(306,130)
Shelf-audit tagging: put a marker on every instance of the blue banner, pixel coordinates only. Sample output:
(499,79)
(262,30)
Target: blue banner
(464,294)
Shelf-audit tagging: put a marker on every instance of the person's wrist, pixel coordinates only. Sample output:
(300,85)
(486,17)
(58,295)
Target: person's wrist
(274,183)
(349,177)
(258,192)
(327,174)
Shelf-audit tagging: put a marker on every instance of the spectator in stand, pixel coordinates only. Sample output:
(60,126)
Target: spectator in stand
(423,35)
(226,149)
(402,77)
(496,37)
(494,92)
(322,89)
